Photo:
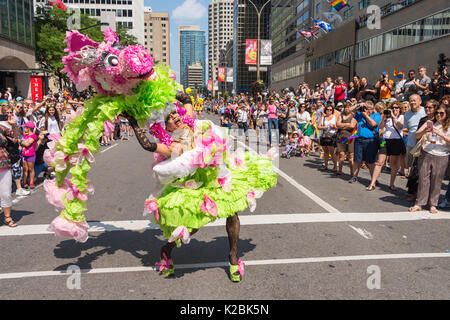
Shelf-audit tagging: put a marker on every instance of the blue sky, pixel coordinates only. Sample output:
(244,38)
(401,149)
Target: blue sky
(181,12)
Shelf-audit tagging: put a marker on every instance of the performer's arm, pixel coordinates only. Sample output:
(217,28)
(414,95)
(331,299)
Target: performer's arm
(187,103)
(143,140)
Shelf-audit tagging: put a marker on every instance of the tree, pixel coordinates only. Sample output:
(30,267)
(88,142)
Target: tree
(51,27)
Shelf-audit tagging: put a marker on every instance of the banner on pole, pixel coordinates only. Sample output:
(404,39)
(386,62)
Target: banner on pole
(222,74)
(266,52)
(36,88)
(230,75)
(251,51)
(210,85)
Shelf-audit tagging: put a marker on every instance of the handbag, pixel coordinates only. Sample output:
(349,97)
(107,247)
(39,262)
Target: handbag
(417,149)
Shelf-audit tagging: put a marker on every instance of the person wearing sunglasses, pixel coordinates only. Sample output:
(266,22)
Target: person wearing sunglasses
(433,160)
(410,88)
(413,178)
(367,143)
(328,123)
(391,125)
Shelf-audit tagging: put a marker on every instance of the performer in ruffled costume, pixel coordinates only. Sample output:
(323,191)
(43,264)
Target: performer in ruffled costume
(200,179)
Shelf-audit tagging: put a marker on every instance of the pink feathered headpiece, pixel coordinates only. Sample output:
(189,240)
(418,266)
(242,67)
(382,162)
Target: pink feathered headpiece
(110,68)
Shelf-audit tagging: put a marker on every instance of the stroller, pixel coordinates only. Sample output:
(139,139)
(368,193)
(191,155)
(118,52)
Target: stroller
(297,147)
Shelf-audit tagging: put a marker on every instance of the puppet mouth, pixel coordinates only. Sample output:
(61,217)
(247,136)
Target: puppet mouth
(146,75)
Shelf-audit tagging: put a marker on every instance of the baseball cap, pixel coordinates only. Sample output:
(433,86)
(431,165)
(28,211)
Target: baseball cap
(19,99)
(29,124)
(385,73)
(339,104)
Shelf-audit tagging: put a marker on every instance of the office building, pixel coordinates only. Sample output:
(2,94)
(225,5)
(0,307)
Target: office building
(157,35)
(17,53)
(220,31)
(129,13)
(411,33)
(194,76)
(246,27)
(192,50)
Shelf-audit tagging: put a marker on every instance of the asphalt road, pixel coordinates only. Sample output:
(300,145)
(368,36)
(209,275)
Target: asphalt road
(313,236)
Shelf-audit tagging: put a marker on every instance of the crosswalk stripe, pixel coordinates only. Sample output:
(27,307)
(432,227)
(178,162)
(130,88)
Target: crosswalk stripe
(34,274)
(265,219)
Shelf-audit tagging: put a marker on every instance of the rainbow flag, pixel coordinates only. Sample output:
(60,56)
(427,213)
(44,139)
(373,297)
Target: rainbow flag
(353,136)
(339,4)
(399,75)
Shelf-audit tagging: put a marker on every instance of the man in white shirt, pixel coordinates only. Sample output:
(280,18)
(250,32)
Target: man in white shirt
(243,119)
(329,90)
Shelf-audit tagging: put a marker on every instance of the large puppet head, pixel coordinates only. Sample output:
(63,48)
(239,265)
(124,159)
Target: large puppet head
(110,68)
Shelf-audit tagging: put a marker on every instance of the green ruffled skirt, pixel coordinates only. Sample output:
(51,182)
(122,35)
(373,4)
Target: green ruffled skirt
(182,206)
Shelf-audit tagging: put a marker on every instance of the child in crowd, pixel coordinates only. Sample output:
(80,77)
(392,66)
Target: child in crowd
(304,144)
(28,145)
(292,145)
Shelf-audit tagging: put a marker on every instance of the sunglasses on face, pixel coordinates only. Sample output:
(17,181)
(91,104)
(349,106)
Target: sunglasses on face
(395,107)
(429,107)
(329,109)
(442,113)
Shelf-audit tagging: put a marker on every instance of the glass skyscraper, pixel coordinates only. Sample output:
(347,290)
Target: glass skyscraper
(16,21)
(192,50)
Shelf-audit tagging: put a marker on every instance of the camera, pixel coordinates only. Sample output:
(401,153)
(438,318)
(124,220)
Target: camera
(361,108)
(3,117)
(387,113)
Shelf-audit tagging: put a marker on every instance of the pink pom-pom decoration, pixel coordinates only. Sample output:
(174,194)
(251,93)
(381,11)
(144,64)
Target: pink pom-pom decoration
(65,228)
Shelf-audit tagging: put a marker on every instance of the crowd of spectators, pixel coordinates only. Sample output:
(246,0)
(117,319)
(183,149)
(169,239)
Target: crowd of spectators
(25,129)
(402,125)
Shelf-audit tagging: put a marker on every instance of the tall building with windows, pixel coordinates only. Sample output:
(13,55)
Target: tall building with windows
(157,35)
(194,76)
(410,33)
(17,54)
(220,31)
(246,27)
(192,50)
(129,13)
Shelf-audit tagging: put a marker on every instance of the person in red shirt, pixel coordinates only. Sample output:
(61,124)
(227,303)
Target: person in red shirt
(339,90)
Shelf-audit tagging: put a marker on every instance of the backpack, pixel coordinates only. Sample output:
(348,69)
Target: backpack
(13,151)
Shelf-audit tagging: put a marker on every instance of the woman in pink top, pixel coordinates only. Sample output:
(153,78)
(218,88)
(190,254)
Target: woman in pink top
(273,120)
(28,145)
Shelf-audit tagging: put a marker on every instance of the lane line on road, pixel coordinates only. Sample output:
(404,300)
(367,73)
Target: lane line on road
(269,219)
(362,232)
(35,274)
(109,148)
(319,201)
(20,198)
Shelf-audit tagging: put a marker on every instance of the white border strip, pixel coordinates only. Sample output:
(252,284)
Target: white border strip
(265,219)
(36,274)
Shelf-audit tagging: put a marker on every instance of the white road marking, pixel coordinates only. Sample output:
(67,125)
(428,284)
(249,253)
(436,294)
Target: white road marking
(362,232)
(34,274)
(269,219)
(109,148)
(20,198)
(299,187)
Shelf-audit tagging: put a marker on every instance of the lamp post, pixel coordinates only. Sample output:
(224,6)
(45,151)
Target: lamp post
(258,62)
(95,25)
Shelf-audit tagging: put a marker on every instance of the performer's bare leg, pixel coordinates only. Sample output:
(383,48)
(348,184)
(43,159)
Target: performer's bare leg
(233,226)
(167,249)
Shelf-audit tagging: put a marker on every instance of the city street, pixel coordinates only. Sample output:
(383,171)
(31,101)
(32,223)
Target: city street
(313,236)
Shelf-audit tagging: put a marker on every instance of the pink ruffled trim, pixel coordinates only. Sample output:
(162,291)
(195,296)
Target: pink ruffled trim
(65,228)
(209,206)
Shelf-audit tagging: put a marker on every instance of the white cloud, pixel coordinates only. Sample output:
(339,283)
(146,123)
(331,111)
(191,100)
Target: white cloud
(190,10)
